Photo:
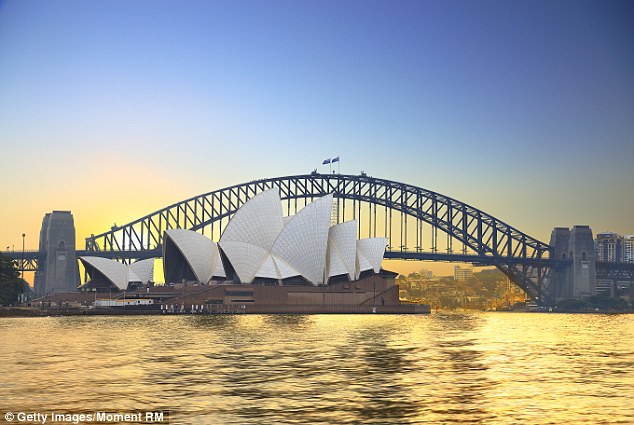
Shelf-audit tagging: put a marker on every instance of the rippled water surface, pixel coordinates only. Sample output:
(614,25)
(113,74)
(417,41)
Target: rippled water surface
(490,368)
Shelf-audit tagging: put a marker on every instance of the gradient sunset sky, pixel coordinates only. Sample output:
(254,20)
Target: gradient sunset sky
(114,109)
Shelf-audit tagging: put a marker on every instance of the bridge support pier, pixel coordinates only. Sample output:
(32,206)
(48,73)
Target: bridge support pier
(58,270)
(575,279)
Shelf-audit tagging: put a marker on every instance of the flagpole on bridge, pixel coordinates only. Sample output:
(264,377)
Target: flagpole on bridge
(336,159)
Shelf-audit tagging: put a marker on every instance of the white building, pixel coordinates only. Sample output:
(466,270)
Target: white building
(462,273)
(628,248)
(260,244)
(608,246)
(132,302)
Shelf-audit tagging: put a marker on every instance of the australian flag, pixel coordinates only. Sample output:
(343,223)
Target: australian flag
(327,161)
(335,159)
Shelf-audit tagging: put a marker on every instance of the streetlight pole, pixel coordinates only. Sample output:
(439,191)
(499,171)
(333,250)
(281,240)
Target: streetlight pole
(22,263)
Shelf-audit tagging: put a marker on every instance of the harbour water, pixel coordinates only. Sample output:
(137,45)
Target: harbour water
(488,368)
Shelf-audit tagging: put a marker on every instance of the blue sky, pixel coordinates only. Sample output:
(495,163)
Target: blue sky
(114,109)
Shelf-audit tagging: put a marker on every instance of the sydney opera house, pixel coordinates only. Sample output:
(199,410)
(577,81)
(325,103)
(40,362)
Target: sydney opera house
(260,245)
(265,262)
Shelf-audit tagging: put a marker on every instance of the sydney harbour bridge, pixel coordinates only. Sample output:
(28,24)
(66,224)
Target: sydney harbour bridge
(419,224)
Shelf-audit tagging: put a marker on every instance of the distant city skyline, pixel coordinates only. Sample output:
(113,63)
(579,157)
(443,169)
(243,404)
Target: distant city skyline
(116,109)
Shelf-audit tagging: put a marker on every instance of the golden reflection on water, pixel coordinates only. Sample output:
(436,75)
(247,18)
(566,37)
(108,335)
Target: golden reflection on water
(490,368)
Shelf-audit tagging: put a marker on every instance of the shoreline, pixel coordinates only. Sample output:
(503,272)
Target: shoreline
(10,312)
(15,312)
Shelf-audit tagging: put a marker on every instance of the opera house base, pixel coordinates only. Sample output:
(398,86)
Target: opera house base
(376,294)
(373,294)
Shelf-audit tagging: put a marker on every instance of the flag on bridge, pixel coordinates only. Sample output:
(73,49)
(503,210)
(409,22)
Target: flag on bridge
(326,161)
(335,159)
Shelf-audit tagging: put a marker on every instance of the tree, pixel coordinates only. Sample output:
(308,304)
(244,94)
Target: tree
(490,278)
(8,269)
(448,302)
(11,286)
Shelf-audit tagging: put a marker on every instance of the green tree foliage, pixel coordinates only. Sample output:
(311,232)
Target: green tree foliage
(11,286)
(8,269)
(489,279)
(448,302)
(484,289)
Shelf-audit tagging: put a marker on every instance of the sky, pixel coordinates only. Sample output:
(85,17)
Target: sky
(115,109)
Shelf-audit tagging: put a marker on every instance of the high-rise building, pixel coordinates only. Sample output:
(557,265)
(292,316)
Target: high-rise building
(462,273)
(608,246)
(628,248)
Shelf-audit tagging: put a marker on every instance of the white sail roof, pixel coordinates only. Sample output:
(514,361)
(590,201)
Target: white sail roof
(268,268)
(285,269)
(303,241)
(117,273)
(370,253)
(257,222)
(342,248)
(249,236)
(200,252)
(144,270)
(274,267)
(218,270)
(260,243)
(245,258)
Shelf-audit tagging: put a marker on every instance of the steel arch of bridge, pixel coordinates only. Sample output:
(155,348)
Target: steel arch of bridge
(524,259)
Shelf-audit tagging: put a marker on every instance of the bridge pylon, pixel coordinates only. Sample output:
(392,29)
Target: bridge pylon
(575,275)
(57,266)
